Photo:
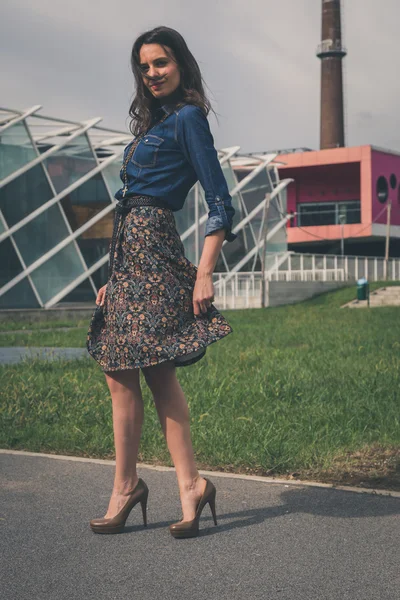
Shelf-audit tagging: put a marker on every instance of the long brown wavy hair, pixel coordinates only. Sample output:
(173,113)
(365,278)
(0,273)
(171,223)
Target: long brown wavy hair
(191,80)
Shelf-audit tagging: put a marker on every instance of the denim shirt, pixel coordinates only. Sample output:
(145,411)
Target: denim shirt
(172,157)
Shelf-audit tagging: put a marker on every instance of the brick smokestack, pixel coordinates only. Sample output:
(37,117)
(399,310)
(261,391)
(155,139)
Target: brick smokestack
(331,53)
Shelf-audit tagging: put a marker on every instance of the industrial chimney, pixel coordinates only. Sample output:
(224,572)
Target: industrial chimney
(331,53)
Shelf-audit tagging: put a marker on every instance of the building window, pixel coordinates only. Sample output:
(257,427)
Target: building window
(328,213)
(382,189)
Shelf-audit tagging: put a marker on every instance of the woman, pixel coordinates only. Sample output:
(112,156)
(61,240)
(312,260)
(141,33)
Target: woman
(156,311)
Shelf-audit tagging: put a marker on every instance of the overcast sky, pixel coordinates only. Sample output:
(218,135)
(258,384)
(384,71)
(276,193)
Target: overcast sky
(257,58)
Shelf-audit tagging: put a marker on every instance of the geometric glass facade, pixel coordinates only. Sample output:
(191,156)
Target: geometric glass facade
(57,185)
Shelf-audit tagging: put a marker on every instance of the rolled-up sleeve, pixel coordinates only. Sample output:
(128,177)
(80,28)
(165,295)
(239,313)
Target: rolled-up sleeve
(194,136)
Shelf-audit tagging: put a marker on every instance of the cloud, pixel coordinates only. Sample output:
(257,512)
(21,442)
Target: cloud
(257,58)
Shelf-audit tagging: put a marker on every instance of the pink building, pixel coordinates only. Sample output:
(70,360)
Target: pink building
(343,185)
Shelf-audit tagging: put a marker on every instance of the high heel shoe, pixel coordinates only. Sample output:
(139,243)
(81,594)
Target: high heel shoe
(185,529)
(117,523)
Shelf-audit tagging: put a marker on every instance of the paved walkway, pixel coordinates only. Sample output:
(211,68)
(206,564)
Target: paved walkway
(15,354)
(272,542)
(385,296)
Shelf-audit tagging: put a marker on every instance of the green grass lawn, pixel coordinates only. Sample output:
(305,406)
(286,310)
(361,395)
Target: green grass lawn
(73,338)
(20,325)
(309,390)
(46,334)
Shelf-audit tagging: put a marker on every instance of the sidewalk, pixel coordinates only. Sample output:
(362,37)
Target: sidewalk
(273,541)
(12,355)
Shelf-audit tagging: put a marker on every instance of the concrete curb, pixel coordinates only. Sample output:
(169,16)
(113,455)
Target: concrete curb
(285,482)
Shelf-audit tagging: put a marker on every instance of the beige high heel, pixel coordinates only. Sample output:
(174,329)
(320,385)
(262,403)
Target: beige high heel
(185,529)
(116,524)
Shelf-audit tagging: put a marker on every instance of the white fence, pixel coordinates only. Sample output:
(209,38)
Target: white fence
(327,267)
(243,289)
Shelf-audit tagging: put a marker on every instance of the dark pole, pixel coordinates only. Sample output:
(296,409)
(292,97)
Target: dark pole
(331,53)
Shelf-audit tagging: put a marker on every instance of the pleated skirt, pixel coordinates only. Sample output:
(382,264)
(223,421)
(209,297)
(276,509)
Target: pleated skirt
(147,317)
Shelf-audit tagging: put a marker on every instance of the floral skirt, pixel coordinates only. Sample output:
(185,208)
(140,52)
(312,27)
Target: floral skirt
(147,317)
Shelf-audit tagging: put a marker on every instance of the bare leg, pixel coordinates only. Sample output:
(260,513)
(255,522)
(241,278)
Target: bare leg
(127,407)
(173,413)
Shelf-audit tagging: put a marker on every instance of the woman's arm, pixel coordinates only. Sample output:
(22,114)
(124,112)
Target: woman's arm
(203,293)
(194,136)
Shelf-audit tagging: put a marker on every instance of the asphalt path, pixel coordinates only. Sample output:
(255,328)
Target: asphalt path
(13,355)
(273,541)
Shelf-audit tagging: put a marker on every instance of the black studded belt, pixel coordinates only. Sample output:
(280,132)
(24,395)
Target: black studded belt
(125,205)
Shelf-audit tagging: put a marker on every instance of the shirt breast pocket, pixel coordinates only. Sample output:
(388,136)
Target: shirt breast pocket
(145,155)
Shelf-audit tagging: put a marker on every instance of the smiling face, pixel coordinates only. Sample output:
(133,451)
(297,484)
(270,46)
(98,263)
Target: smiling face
(158,68)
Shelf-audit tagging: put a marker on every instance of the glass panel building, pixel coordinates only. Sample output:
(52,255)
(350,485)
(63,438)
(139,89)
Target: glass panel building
(57,185)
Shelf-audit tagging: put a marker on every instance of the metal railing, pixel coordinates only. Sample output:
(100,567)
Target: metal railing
(333,47)
(328,267)
(243,289)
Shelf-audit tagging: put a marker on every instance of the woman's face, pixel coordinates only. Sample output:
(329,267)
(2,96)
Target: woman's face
(158,68)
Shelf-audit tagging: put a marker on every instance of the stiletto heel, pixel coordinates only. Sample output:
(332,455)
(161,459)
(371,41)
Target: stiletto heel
(185,529)
(143,502)
(211,502)
(116,524)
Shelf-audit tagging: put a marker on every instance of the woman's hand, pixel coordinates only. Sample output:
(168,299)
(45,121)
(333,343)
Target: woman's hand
(203,293)
(101,295)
